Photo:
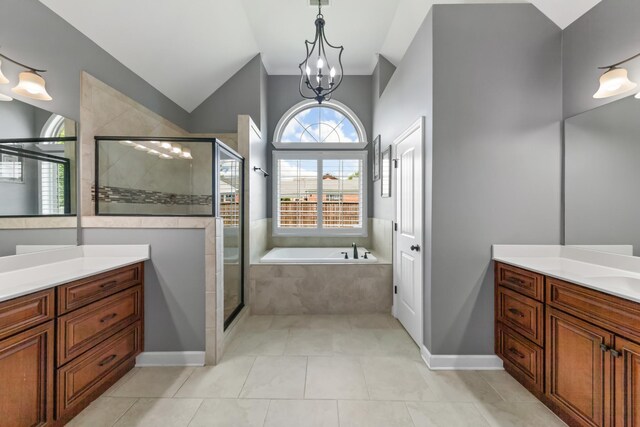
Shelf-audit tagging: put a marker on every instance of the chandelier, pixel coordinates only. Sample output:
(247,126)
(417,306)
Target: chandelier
(320,85)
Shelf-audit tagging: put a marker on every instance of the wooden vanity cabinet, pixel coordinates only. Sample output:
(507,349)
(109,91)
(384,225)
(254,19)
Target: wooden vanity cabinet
(590,372)
(63,347)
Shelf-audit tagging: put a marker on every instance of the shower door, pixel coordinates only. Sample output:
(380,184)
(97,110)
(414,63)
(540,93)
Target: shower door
(230,207)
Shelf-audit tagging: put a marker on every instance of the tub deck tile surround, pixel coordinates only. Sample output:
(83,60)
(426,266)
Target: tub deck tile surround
(255,386)
(321,289)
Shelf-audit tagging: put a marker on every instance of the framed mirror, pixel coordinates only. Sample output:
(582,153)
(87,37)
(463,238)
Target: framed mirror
(37,179)
(602,176)
(385,172)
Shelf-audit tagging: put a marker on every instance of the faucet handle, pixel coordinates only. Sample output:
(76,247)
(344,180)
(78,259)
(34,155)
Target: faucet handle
(346,255)
(365,255)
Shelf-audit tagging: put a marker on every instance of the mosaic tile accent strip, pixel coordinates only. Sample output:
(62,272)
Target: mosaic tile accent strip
(148,197)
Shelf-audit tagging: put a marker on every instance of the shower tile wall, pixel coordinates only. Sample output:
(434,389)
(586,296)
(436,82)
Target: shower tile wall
(132,181)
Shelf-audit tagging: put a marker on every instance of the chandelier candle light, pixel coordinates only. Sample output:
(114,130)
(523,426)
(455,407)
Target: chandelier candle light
(320,86)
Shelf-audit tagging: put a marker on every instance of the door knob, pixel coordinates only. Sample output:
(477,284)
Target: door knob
(415,248)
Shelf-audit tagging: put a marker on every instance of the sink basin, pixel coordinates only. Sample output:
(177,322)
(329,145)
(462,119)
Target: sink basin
(620,282)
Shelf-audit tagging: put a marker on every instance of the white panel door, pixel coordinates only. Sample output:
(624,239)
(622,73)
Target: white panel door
(408,260)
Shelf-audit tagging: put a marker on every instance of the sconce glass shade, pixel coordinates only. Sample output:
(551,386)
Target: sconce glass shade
(614,81)
(4,97)
(32,86)
(638,95)
(3,79)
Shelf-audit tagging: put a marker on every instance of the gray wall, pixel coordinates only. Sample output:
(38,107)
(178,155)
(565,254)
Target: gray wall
(33,34)
(408,96)
(174,284)
(354,92)
(55,236)
(606,34)
(602,175)
(241,94)
(497,156)
(493,103)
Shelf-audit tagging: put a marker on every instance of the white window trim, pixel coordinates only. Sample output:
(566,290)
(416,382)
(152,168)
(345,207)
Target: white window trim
(336,105)
(320,155)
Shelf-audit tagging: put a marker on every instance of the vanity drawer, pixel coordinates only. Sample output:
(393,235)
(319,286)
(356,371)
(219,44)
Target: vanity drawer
(522,358)
(610,312)
(522,314)
(82,329)
(86,377)
(523,281)
(22,313)
(82,292)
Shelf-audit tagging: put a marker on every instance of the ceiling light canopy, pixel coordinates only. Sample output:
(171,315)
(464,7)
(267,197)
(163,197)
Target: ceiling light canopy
(326,78)
(30,83)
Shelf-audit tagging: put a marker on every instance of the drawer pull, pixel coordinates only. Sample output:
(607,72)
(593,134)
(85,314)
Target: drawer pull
(516,312)
(615,353)
(108,317)
(109,285)
(515,281)
(516,352)
(107,360)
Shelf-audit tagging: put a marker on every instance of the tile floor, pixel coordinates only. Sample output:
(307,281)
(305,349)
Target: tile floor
(317,371)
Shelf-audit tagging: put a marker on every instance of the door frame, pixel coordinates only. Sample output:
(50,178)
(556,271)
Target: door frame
(417,126)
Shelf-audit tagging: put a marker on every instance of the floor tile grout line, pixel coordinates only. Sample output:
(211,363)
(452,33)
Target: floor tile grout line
(247,377)
(195,412)
(192,370)
(266,413)
(306,373)
(125,412)
(475,404)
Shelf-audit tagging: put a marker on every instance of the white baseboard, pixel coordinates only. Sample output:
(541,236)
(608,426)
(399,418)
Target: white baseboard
(455,362)
(170,358)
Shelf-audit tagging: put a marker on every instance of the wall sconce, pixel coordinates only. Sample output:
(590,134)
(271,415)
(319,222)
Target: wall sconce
(30,84)
(615,80)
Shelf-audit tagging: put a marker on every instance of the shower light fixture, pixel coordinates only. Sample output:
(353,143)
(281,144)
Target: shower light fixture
(323,86)
(30,84)
(615,80)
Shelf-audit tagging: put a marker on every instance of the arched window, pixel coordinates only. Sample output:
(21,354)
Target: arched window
(320,180)
(309,125)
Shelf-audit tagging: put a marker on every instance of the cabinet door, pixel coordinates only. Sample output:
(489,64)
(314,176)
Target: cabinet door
(26,370)
(627,383)
(578,369)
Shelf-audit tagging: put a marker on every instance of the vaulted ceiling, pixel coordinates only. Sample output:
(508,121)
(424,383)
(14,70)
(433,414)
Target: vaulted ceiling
(188,49)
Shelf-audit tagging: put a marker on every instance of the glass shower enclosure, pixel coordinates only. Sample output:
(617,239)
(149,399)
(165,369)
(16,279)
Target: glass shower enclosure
(146,176)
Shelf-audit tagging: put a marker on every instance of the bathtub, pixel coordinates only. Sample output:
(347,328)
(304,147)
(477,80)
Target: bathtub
(315,256)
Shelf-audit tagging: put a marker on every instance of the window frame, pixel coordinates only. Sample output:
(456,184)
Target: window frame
(307,104)
(318,155)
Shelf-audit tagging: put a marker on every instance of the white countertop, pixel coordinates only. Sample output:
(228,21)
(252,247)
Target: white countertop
(610,273)
(24,274)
